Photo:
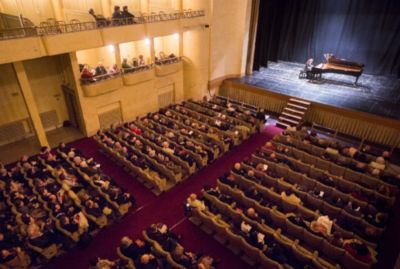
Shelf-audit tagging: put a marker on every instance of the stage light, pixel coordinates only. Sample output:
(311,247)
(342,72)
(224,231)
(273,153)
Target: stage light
(111,48)
(176,36)
(147,41)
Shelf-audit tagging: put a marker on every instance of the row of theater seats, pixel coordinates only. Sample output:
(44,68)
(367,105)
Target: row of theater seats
(330,150)
(284,198)
(167,147)
(159,248)
(50,205)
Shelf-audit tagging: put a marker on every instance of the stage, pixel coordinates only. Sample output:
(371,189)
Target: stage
(378,95)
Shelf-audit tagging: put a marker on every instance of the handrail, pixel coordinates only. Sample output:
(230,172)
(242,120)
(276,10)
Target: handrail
(168,60)
(99,78)
(137,69)
(52,27)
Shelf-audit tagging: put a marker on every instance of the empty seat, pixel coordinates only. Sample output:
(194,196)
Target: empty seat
(267,263)
(294,230)
(335,253)
(351,262)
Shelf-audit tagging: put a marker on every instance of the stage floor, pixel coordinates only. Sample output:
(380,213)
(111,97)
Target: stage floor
(379,95)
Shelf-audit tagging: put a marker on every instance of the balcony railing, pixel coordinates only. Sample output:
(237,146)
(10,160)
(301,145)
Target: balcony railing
(138,69)
(52,27)
(99,78)
(168,60)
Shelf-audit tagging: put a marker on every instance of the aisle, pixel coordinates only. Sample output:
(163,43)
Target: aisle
(167,208)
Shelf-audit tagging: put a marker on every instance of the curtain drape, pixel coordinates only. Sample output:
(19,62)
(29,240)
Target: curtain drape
(365,31)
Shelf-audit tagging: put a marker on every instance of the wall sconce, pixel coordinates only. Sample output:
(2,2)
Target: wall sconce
(111,48)
(176,36)
(147,41)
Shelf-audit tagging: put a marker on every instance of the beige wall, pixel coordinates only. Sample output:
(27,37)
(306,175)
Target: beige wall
(196,61)
(228,37)
(92,57)
(12,106)
(168,44)
(45,78)
(130,50)
(36,11)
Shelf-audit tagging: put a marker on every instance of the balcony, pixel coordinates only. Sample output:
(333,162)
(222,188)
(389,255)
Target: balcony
(136,75)
(101,85)
(118,34)
(57,37)
(12,50)
(168,66)
(63,38)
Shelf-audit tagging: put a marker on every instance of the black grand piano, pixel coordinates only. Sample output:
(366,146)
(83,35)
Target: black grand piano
(338,66)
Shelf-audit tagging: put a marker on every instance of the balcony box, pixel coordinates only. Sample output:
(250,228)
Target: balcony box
(138,77)
(102,86)
(122,34)
(67,42)
(167,69)
(19,49)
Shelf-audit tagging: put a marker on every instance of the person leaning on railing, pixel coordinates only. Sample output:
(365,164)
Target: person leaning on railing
(100,20)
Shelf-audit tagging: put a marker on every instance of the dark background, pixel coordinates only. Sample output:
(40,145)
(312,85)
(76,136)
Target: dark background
(364,31)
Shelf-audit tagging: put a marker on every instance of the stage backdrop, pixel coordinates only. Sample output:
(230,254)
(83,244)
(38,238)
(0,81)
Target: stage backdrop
(365,31)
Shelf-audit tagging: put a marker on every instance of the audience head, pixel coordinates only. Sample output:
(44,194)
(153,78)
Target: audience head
(386,154)
(145,259)
(250,173)
(126,241)
(380,160)
(237,166)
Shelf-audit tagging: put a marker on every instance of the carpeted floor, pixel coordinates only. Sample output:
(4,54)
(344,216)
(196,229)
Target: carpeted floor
(167,208)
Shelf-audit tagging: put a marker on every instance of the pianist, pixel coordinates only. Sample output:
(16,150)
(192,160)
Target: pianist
(309,67)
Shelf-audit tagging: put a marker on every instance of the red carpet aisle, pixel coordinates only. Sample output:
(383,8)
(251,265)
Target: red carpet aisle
(166,208)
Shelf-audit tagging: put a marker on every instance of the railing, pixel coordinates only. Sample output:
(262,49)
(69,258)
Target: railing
(17,33)
(168,60)
(137,69)
(99,78)
(52,27)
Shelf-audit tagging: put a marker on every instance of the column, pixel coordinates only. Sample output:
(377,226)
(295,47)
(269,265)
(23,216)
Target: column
(57,10)
(30,103)
(106,8)
(79,92)
(152,50)
(117,52)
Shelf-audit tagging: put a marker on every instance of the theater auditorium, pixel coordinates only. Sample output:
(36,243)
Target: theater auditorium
(199,134)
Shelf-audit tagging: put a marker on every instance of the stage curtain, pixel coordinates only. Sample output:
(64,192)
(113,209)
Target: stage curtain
(363,31)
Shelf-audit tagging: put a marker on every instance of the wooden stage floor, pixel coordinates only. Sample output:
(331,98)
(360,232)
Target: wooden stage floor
(379,95)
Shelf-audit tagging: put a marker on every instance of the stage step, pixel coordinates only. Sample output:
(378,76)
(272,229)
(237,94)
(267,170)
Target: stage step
(297,106)
(299,101)
(282,125)
(290,121)
(290,115)
(294,111)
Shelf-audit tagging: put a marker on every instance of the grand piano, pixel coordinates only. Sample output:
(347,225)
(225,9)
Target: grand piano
(338,66)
